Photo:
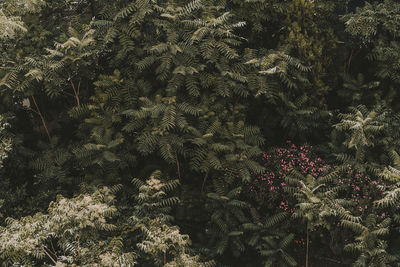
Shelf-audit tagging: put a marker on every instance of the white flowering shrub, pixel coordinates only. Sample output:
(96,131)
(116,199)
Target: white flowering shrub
(162,243)
(166,245)
(73,232)
(77,232)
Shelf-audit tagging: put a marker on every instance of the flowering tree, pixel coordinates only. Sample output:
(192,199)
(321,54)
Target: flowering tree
(85,231)
(73,231)
(267,188)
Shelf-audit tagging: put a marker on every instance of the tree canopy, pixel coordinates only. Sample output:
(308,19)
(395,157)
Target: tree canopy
(199,133)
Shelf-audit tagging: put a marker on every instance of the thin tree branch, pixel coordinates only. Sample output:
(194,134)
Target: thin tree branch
(349,61)
(76,92)
(79,86)
(204,182)
(42,118)
(308,246)
(48,255)
(52,247)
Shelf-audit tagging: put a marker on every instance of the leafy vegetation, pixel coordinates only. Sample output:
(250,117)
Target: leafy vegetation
(260,133)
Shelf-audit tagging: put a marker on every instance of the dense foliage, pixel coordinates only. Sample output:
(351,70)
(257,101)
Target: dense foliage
(199,133)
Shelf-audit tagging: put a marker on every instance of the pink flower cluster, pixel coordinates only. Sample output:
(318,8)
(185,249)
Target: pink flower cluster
(360,190)
(267,188)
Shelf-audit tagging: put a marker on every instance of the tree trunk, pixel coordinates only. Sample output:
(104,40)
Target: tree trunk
(307,246)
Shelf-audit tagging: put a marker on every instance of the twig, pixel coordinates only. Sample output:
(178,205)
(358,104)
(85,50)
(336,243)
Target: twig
(48,255)
(52,247)
(204,182)
(76,92)
(79,86)
(308,245)
(41,117)
(349,61)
